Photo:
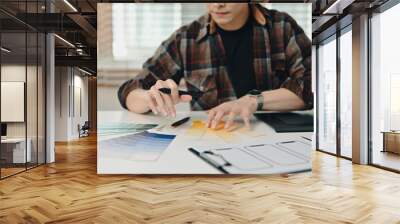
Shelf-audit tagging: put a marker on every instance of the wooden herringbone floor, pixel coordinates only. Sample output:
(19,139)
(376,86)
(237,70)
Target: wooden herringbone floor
(70,191)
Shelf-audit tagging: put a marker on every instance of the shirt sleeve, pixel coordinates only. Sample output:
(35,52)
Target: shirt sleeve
(298,62)
(166,63)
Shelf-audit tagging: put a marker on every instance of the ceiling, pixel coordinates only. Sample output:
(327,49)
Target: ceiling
(74,22)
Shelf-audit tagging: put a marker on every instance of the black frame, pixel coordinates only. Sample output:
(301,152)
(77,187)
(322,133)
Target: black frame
(333,37)
(340,33)
(30,29)
(381,9)
(387,5)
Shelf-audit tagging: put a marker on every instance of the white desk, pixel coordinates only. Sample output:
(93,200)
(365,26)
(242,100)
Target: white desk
(176,159)
(18,150)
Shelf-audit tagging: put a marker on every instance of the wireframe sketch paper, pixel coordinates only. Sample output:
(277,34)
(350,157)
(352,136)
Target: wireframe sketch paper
(271,157)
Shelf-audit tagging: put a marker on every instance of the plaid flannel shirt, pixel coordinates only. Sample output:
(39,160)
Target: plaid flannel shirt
(195,52)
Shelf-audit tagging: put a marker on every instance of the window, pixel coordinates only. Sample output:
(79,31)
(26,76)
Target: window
(138,29)
(346,93)
(300,12)
(385,86)
(327,95)
(334,106)
(22,75)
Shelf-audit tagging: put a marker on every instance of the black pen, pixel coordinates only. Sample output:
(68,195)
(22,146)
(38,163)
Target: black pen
(217,166)
(181,121)
(286,142)
(194,94)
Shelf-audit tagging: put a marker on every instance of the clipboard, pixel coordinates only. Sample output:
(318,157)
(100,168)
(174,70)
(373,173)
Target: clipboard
(267,158)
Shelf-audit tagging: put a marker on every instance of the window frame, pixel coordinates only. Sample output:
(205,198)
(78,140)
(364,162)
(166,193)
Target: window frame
(333,37)
(379,10)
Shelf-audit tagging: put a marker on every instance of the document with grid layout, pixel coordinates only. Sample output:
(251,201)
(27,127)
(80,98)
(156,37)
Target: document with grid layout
(265,158)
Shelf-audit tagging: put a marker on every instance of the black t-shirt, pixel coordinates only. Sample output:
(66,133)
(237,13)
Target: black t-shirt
(238,45)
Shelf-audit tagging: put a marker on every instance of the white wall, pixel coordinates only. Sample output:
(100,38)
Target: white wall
(14,73)
(62,81)
(67,115)
(79,117)
(33,126)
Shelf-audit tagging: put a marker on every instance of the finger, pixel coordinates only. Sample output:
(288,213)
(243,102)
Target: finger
(247,122)
(159,100)
(152,92)
(217,119)
(174,90)
(229,121)
(185,98)
(164,107)
(246,118)
(211,114)
(169,104)
(152,104)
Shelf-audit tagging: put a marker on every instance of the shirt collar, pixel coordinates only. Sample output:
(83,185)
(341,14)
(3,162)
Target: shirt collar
(210,26)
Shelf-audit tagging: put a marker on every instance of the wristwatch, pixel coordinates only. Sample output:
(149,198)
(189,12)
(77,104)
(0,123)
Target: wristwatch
(259,97)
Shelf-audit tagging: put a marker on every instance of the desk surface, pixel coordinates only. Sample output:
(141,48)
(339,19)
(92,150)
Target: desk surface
(176,159)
